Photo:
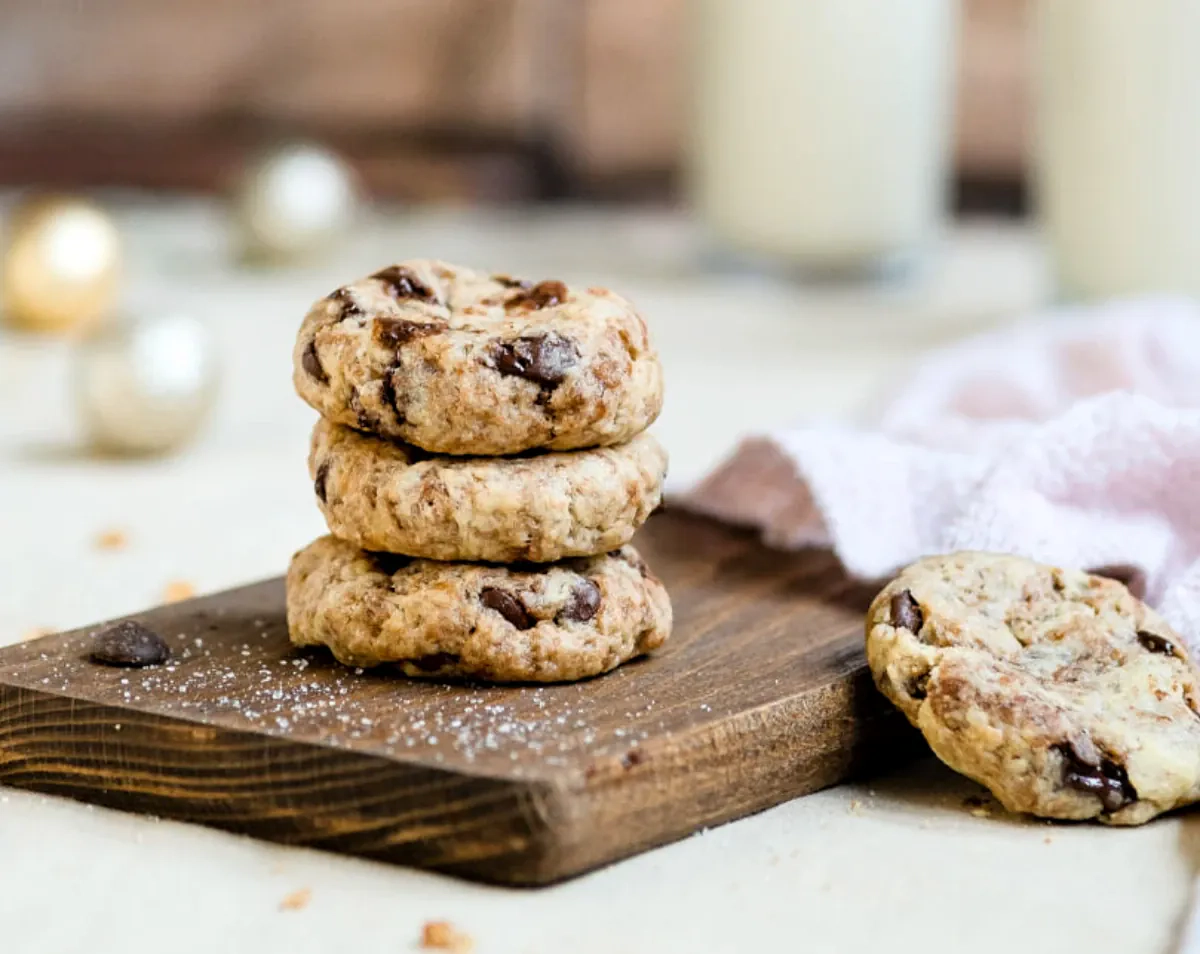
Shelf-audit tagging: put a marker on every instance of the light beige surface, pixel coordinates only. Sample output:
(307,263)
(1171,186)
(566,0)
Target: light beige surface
(846,870)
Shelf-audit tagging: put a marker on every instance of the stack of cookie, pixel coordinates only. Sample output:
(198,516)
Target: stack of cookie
(481,463)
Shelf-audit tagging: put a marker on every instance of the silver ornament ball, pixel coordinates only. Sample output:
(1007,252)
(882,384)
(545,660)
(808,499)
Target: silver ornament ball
(294,201)
(146,386)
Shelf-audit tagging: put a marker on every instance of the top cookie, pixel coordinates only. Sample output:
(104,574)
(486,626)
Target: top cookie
(456,361)
(1058,690)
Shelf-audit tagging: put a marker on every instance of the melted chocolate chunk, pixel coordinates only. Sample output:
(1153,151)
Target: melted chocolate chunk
(507,605)
(906,612)
(400,283)
(541,295)
(319,480)
(543,359)
(1156,644)
(509,282)
(349,307)
(129,644)
(311,362)
(919,687)
(389,563)
(393,332)
(582,604)
(387,391)
(1108,781)
(433,661)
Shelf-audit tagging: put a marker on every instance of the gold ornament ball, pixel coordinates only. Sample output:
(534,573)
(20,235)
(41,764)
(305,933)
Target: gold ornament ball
(145,386)
(60,266)
(293,202)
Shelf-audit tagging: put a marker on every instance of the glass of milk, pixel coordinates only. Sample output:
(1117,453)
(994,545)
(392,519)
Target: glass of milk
(1118,144)
(821,128)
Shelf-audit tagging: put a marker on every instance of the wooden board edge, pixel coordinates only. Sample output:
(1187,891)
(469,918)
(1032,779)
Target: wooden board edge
(499,831)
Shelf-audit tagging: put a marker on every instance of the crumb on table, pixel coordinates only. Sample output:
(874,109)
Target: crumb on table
(178,590)
(443,936)
(297,900)
(111,539)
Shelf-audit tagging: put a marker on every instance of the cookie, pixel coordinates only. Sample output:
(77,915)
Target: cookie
(456,361)
(542,507)
(1058,690)
(550,623)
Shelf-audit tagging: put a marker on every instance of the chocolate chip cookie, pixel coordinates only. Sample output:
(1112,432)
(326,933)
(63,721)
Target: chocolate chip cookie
(550,623)
(1058,690)
(539,507)
(456,361)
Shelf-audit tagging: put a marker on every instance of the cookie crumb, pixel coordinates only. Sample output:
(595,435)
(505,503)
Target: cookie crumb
(1046,840)
(977,806)
(111,539)
(297,900)
(856,806)
(443,936)
(177,591)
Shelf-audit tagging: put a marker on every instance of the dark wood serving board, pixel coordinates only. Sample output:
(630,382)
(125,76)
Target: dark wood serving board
(761,695)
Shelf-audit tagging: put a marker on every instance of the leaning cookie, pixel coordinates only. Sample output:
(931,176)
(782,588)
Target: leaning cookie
(543,507)
(1058,690)
(460,362)
(554,623)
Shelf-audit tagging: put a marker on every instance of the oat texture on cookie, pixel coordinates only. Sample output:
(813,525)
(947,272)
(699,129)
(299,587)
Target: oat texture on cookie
(482,465)
(1057,689)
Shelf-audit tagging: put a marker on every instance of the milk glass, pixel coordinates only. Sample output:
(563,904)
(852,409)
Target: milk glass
(821,128)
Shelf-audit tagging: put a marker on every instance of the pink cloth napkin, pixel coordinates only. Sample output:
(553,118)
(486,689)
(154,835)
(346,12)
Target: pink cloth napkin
(1072,438)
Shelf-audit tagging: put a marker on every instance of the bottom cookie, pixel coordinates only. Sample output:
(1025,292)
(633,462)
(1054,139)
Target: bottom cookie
(520,623)
(1058,690)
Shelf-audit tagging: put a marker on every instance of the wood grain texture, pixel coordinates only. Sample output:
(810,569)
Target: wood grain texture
(761,695)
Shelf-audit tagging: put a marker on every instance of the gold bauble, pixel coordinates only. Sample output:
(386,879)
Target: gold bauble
(294,201)
(60,265)
(145,386)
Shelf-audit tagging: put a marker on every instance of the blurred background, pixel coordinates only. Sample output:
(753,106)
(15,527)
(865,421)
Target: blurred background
(801,195)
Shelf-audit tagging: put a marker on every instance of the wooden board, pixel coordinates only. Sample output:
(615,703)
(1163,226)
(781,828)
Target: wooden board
(760,696)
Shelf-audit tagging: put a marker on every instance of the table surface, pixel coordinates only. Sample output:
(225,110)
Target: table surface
(900,860)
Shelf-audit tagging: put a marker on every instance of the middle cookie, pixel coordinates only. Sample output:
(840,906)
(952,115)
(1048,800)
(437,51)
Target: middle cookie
(537,507)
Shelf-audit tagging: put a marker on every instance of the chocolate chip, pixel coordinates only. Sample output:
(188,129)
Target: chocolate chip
(1108,781)
(129,644)
(544,359)
(631,758)
(434,661)
(389,563)
(1156,644)
(349,307)
(542,295)
(906,612)
(508,606)
(319,480)
(919,687)
(311,362)
(393,332)
(509,282)
(582,604)
(387,390)
(400,283)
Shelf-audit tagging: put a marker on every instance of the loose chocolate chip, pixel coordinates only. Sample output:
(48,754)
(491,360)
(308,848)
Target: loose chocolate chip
(350,308)
(434,661)
(311,362)
(542,295)
(1108,781)
(508,606)
(582,604)
(389,563)
(401,283)
(129,644)
(319,480)
(393,332)
(543,359)
(1156,644)
(906,612)
(509,282)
